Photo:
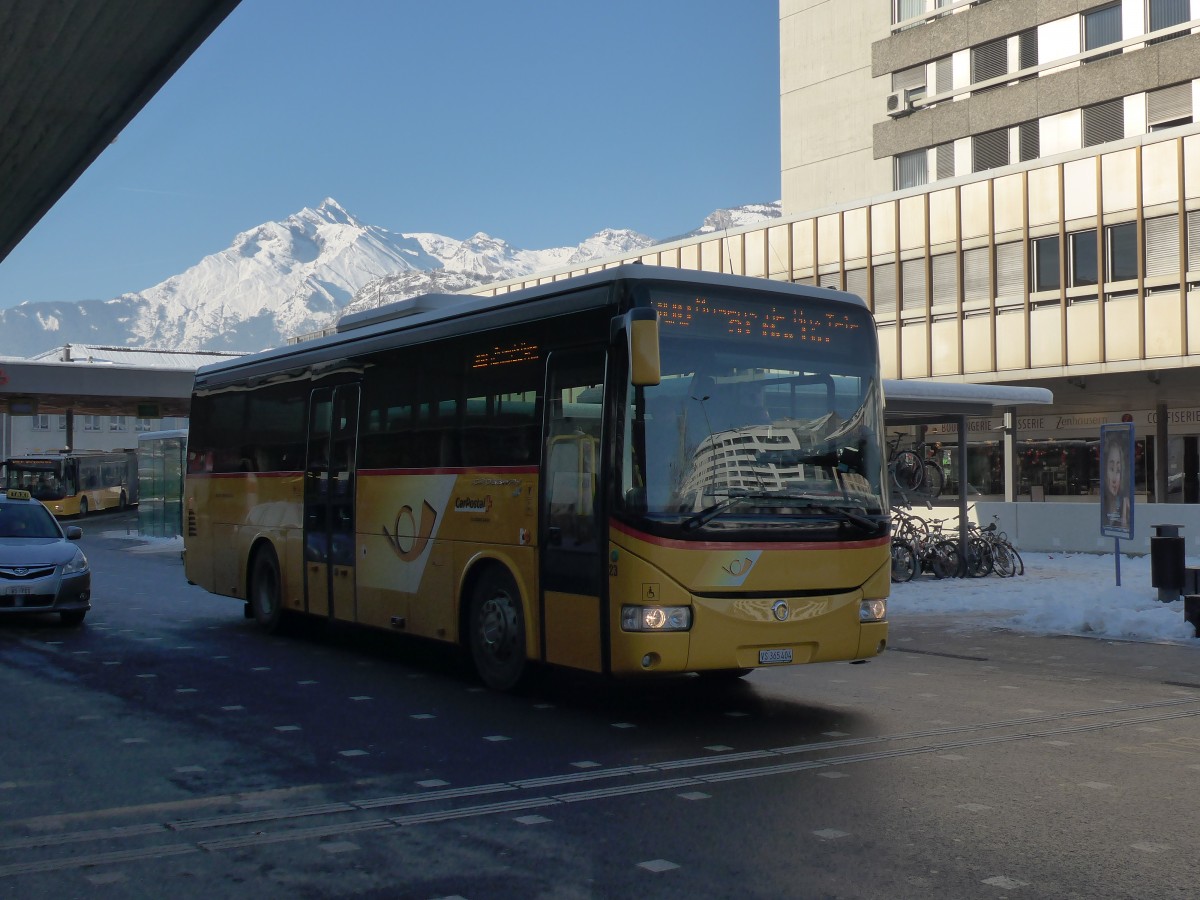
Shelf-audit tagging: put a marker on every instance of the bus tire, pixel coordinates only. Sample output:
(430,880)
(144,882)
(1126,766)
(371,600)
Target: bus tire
(123,502)
(83,506)
(496,630)
(266,601)
(723,676)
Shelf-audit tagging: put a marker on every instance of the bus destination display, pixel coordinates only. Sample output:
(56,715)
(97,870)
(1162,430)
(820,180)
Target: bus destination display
(756,320)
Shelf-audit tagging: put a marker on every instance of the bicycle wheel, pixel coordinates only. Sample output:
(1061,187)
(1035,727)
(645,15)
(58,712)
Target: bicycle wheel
(945,560)
(907,471)
(979,557)
(904,562)
(933,479)
(1004,563)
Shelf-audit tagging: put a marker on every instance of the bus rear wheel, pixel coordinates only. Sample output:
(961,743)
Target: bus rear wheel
(83,506)
(496,630)
(265,601)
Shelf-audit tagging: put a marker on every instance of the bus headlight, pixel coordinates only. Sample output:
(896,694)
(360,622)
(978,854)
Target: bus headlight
(656,618)
(872,611)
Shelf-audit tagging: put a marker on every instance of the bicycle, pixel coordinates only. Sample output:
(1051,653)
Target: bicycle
(905,467)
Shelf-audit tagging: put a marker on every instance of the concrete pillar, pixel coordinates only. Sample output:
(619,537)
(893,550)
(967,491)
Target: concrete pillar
(1012,471)
(69,440)
(1161,456)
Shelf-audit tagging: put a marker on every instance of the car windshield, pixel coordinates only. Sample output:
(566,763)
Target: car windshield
(771,420)
(27,520)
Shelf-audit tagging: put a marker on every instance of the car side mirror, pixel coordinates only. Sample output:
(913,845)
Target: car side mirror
(74,532)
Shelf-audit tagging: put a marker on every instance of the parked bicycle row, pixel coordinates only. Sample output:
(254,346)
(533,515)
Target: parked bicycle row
(928,547)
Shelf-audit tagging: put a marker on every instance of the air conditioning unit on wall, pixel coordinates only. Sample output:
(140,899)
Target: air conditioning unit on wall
(900,103)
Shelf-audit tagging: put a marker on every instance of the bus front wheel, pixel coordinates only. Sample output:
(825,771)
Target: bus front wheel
(83,506)
(265,602)
(496,630)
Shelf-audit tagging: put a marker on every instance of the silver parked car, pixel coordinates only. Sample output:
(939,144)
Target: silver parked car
(41,570)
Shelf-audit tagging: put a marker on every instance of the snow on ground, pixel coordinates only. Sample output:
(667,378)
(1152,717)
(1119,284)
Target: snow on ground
(1059,593)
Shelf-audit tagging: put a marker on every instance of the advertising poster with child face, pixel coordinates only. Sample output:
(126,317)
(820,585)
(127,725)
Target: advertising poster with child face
(1116,480)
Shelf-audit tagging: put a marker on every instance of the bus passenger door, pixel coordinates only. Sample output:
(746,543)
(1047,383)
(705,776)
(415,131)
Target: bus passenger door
(329,535)
(571,537)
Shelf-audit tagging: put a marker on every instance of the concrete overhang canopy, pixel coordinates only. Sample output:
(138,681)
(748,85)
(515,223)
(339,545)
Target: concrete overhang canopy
(98,387)
(918,402)
(73,73)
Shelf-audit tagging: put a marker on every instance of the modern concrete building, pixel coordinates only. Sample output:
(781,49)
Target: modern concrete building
(1014,187)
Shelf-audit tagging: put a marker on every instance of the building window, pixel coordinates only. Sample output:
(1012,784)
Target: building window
(1027,49)
(1045,264)
(1165,13)
(1122,252)
(912,281)
(856,282)
(911,80)
(884,276)
(1010,269)
(41,423)
(1102,27)
(62,423)
(989,150)
(907,9)
(943,75)
(143,424)
(1083,267)
(1162,246)
(912,169)
(989,60)
(116,423)
(976,277)
(91,423)
(1104,122)
(945,160)
(1169,107)
(1193,239)
(945,279)
(1030,140)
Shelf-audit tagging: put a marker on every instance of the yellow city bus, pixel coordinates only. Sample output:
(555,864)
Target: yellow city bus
(76,482)
(639,470)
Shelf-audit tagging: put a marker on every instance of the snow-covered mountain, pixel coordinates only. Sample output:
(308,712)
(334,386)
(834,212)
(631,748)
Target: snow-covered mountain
(300,275)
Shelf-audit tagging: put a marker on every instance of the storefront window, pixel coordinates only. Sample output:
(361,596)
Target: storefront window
(1058,468)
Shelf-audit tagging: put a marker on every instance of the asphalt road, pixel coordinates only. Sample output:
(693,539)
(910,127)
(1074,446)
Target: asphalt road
(167,748)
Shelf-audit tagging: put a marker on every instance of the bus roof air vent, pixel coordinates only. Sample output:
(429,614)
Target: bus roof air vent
(398,310)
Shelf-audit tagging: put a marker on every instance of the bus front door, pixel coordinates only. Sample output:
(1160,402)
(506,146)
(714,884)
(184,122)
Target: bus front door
(571,538)
(329,537)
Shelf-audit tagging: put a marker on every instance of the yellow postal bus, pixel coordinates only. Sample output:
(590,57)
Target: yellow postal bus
(640,470)
(74,483)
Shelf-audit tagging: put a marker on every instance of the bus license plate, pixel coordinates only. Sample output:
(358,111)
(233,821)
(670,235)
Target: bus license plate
(782,655)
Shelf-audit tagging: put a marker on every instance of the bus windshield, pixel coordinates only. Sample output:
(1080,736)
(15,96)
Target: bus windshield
(42,478)
(767,416)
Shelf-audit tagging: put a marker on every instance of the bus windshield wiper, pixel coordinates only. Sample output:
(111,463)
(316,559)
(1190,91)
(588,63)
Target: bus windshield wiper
(815,503)
(709,513)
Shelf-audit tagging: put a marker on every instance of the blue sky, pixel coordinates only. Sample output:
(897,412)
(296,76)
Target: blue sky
(536,121)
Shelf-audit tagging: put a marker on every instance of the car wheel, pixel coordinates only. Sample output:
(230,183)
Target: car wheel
(72,616)
(265,596)
(496,630)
